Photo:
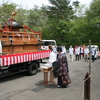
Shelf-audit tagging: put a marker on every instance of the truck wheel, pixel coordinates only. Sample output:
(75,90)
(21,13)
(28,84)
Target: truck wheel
(32,68)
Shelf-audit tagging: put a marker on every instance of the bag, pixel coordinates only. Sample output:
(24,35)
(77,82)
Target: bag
(56,68)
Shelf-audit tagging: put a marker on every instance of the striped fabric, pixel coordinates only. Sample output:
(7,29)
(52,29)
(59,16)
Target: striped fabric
(23,57)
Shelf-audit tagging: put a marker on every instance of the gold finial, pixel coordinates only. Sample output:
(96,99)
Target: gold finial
(13,14)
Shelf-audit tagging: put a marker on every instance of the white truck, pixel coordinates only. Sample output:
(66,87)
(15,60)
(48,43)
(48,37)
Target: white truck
(46,44)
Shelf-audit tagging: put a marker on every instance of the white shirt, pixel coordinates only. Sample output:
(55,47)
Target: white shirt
(93,51)
(63,50)
(77,51)
(71,51)
(52,57)
(86,51)
(81,50)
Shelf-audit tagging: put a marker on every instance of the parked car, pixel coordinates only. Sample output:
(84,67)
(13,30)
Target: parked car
(99,54)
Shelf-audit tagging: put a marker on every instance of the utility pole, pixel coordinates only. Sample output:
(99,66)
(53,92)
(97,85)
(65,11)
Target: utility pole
(87,79)
(90,57)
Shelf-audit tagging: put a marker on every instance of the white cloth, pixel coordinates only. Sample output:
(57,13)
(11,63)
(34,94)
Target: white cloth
(52,57)
(71,51)
(86,51)
(63,50)
(93,51)
(77,51)
(48,65)
(81,50)
(55,49)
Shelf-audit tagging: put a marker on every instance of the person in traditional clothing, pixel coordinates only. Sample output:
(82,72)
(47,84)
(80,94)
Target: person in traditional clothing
(63,77)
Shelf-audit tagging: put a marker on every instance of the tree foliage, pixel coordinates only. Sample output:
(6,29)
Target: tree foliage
(60,21)
(37,18)
(93,19)
(60,9)
(5,11)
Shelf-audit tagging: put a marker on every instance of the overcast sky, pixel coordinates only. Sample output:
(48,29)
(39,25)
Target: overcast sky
(30,3)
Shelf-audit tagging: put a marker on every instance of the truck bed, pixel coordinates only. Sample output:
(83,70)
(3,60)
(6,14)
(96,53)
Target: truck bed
(11,59)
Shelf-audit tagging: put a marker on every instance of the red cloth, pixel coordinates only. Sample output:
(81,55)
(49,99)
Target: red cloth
(23,57)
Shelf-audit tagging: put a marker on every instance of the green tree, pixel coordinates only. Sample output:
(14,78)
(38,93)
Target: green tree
(93,19)
(22,15)
(6,10)
(60,9)
(63,29)
(37,18)
(59,14)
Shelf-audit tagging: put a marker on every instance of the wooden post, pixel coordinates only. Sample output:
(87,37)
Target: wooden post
(51,76)
(46,71)
(87,79)
(87,87)
(90,57)
(46,78)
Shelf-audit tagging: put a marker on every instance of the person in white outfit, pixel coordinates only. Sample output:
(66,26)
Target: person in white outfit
(86,52)
(52,57)
(64,50)
(71,50)
(55,49)
(77,52)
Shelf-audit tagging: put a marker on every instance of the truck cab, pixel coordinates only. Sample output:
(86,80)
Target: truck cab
(46,43)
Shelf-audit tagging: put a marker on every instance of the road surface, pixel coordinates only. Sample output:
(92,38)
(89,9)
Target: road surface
(23,87)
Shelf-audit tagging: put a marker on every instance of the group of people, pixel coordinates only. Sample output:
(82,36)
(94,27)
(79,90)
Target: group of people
(60,66)
(81,52)
(58,60)
(78,51)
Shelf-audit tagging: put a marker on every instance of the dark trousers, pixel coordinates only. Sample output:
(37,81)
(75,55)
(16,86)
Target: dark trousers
(80,55)
(59,81)
(93,58)
(77,57)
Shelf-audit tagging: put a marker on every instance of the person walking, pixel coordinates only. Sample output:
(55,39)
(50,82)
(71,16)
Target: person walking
(71,50)
(93,54)
(77,52)
(81,52)
(86,52)
(63,76)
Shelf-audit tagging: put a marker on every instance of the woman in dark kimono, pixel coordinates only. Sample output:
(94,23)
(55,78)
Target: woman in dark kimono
(63,77)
